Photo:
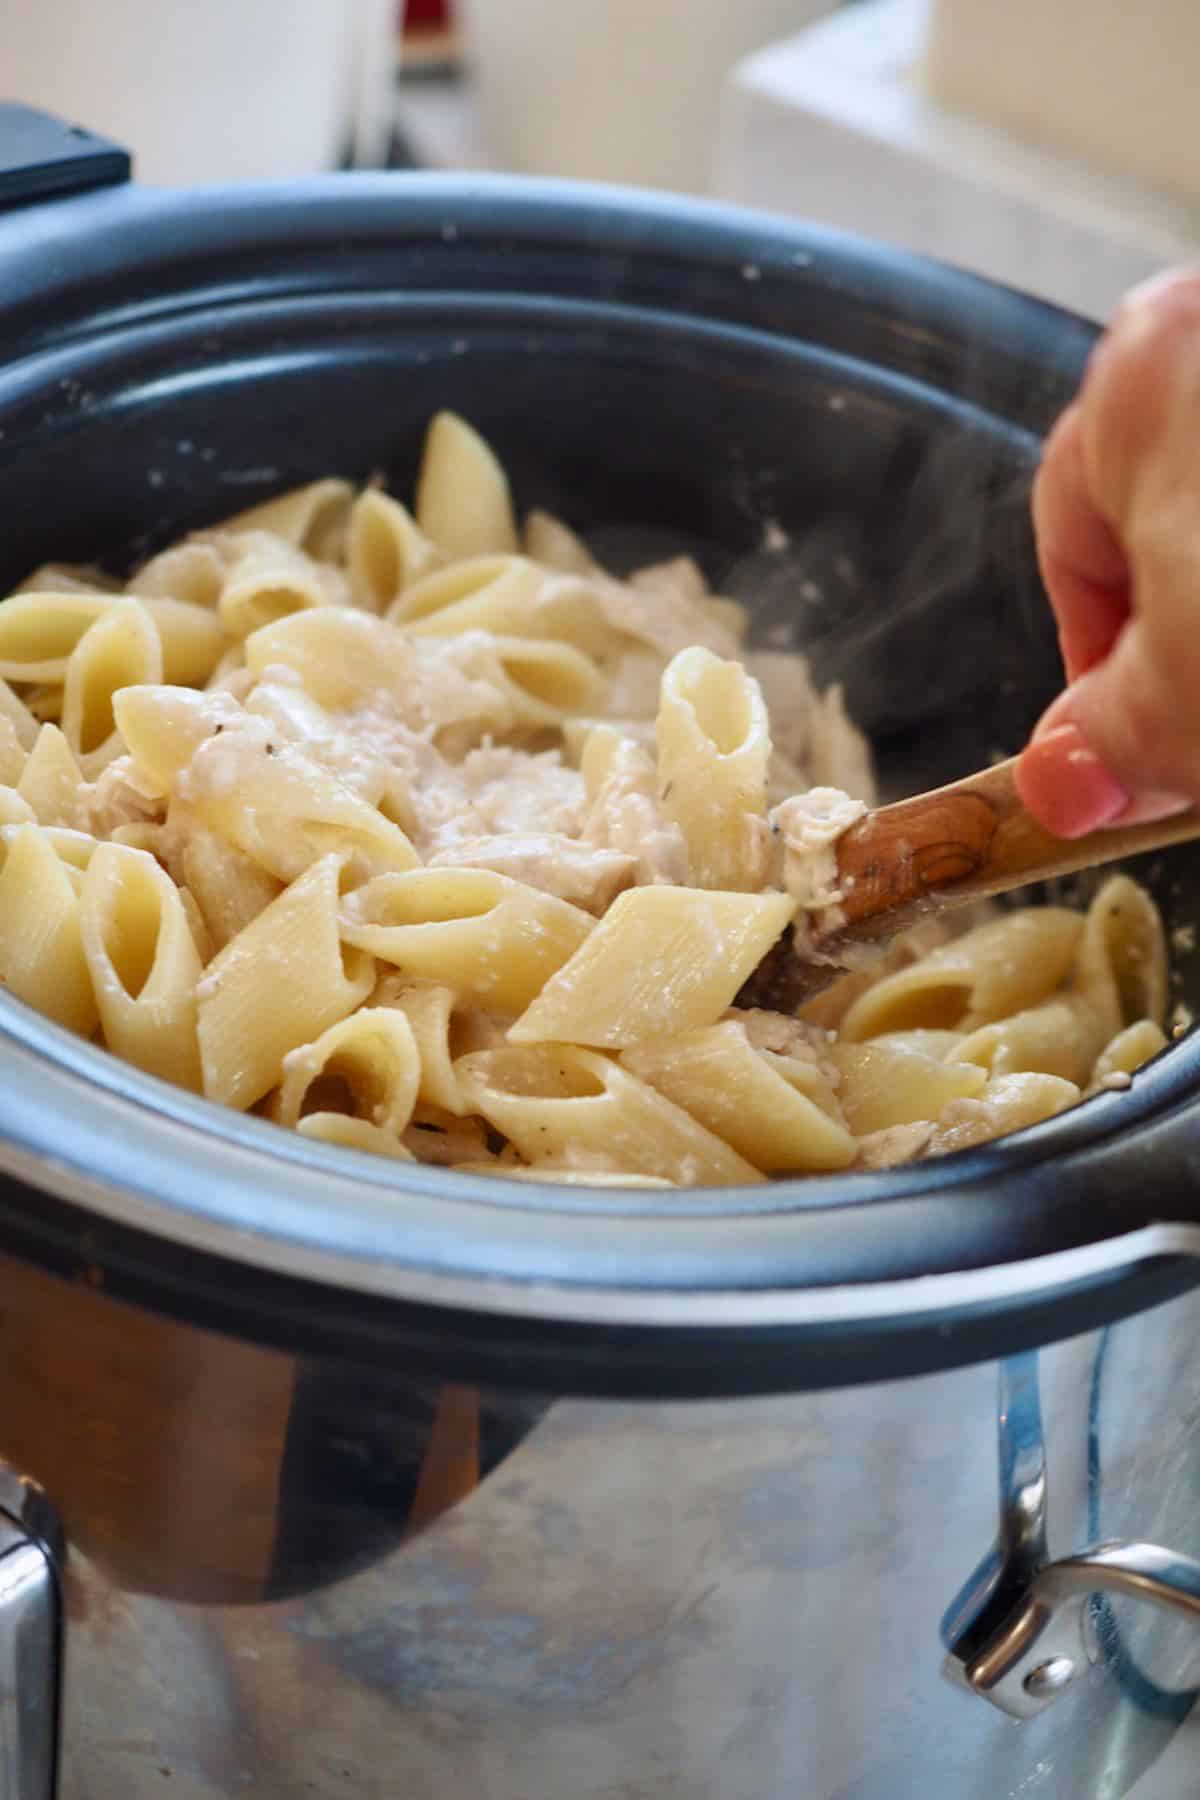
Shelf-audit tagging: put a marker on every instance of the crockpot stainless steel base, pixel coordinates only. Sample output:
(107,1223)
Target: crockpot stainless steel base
(375,1480)
(733,1600)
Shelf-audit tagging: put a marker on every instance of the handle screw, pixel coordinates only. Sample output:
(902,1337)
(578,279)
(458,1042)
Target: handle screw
(1049,1678)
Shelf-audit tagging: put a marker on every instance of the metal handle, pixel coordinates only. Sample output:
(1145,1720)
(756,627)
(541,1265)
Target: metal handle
(1035,1653)
(1017,1632)
(41,156)
(30,1638)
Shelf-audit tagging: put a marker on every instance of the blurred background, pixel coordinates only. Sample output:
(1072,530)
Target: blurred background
(1047,143)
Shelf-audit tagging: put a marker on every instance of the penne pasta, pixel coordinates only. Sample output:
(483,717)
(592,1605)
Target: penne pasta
(143,963)
(281,982)
(463,502)
(42,959)
(366,1066)
(493,938)
(549,542)
(119,649)
(430,1013)
(12,753)
(268,579)
(163,727)
(193,571)
(386,550)
(38,633)
(339,656)
(1128,1051)
(694,951)
(562,1105)
(541,681)
(776,1112)
(882,1085)
(483,593)
(1061,1037)
(1003,967)
(435,840)
(18,716)
(352,1134)
(1009,1103)
(564,1177)
(714,745)
(312,518)
(284,810)
(1122,963)
(15,809)
(66,578)
(230,890)
(51,779)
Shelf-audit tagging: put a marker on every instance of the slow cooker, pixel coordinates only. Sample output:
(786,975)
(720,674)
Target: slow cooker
(330,1478)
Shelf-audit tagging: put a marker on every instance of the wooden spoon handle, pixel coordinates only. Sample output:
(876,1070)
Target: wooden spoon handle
(929,854)
(965,842)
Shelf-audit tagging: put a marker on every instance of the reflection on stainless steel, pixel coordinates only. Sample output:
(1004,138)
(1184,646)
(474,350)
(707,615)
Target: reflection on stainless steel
(29,1641)
(1022,1465)
(731,1600)
(1020,1548)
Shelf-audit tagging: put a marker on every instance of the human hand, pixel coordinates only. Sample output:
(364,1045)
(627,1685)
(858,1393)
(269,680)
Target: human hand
(1116,509)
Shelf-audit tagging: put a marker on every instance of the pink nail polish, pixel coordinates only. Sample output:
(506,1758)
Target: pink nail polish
(1065,785)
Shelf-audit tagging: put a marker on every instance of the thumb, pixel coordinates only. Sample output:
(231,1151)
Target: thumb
(1120,745)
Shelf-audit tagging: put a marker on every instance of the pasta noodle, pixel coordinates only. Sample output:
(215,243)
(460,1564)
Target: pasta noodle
(428,837)
(51,779)
(143,962)
(372,1054)
(282,981)
(15,809)
(494,938)
(778,1112)
(430,1013)
(120,649)
(558,1103)
(41,952)
(269,579)
(12,753)
(17,715)
(463,503)
(39,631)
(386,550)
(714,744)
(311,518)
(694,951)
(352,1134)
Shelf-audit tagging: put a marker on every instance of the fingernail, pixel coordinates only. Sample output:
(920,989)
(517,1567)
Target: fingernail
(1064,784)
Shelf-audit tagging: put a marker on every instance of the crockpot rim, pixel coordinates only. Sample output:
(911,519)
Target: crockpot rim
(734,234)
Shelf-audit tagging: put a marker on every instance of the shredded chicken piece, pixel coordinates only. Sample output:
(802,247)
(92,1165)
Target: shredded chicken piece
(784,1035)
(666,605)
(809,826)
(780,1032)
(896,1144)
(122,794)
(581,873)
(625,816)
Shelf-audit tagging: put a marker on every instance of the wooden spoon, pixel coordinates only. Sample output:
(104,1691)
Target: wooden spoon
(959,843)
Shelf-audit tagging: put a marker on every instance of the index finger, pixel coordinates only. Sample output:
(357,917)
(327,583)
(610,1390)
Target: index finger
(1082,562)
